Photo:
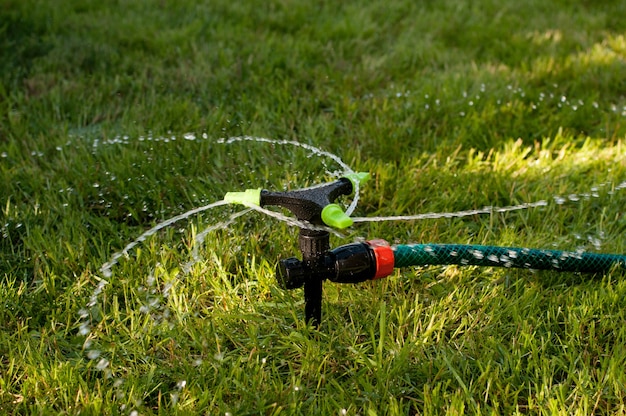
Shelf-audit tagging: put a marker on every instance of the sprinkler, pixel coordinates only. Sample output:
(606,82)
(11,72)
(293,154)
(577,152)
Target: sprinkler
(315,206)
(374,259)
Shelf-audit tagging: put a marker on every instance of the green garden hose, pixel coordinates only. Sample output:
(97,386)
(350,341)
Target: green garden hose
(476,255)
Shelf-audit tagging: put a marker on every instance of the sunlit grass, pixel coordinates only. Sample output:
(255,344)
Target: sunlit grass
(110,120)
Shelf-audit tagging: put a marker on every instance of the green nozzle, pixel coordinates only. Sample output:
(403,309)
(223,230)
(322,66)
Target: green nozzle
(333,216)
(247,197)
(360,177)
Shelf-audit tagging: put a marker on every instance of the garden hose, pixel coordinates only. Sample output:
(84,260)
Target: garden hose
(524,258)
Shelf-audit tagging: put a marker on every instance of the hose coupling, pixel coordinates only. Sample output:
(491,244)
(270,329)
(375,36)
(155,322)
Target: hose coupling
(351,263)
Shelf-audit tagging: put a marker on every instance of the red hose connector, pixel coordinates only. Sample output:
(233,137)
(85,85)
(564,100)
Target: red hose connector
(384,257)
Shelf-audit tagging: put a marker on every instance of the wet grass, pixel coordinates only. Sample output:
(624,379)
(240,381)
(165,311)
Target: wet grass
(110,115)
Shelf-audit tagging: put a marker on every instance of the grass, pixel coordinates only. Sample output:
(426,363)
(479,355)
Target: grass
(451,106)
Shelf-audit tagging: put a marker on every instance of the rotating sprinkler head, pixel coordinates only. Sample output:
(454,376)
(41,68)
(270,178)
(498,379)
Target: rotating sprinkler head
(314,205)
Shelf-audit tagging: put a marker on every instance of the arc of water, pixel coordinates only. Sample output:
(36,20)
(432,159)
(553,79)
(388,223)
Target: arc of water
(106,267)
(200,237)
(457,214)
(314,150)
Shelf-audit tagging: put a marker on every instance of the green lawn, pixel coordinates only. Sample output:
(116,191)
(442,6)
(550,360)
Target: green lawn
(110,118)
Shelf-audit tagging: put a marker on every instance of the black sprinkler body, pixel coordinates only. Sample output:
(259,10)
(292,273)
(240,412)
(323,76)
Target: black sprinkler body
(307,205)
(351,263)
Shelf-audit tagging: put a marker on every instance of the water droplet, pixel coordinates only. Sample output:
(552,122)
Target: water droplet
(102,364)
(93,354)
(595,241)
(84,329)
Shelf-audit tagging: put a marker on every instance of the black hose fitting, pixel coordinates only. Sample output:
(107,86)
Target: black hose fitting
(352,263)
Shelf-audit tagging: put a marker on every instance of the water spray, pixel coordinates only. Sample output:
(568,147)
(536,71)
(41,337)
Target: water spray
(317,216)
(375,259)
